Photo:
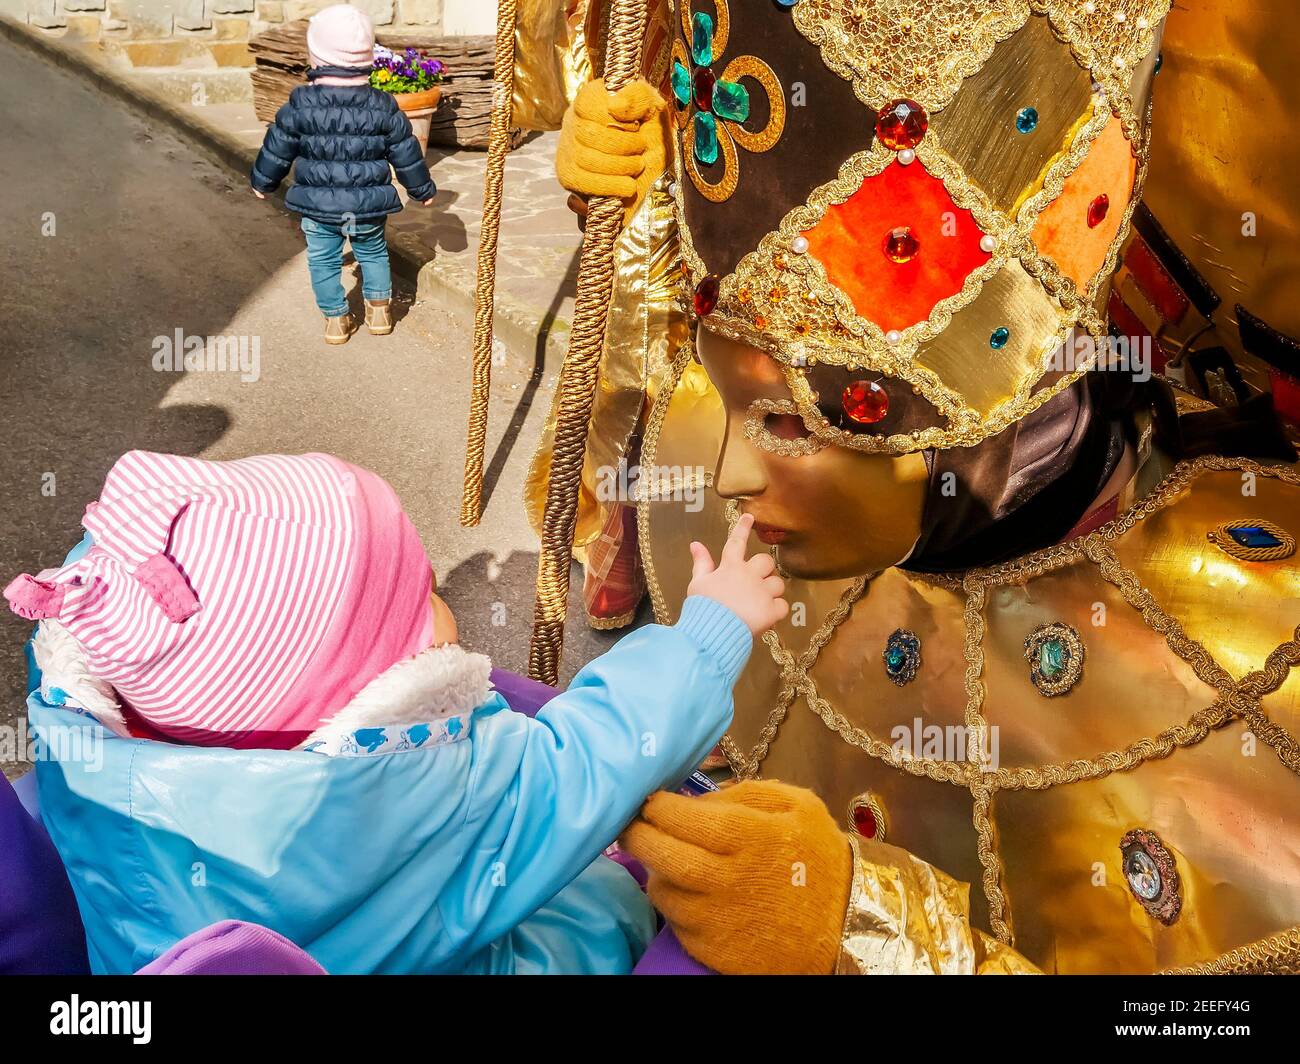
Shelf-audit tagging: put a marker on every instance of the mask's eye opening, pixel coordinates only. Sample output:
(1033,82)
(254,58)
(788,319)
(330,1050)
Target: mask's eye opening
(786,426)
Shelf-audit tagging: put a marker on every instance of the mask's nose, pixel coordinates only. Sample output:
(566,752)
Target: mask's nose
(739,472)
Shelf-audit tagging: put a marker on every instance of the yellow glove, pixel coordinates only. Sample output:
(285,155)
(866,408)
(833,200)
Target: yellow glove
(754,879)
(614,144)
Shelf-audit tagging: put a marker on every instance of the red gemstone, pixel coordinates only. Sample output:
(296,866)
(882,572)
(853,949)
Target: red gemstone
(900,244)
(865,402)
(1097,210)
(706,294)
(864,821)
(902,124)
(705,79)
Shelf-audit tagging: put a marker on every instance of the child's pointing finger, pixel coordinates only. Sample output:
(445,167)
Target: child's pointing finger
(738,541)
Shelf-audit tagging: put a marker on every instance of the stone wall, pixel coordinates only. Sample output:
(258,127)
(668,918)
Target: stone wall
(212,34)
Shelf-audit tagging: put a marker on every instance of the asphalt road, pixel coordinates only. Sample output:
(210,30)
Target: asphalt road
(114,233)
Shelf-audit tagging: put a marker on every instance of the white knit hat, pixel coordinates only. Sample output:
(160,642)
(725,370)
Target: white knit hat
(341,36)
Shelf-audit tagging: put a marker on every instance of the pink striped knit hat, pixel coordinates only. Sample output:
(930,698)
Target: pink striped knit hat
(240,603)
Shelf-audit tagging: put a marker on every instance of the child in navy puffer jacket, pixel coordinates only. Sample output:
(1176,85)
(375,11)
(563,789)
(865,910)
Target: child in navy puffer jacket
(344,135)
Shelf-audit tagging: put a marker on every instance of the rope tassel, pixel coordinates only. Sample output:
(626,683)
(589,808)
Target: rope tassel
(503,90)
(578,377)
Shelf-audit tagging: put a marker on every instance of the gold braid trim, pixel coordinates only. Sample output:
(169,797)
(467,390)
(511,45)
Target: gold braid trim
(1276,955)
(649,449)
(1282,741)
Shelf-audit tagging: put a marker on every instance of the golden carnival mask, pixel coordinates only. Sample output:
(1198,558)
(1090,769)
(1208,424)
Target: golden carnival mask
(915,207)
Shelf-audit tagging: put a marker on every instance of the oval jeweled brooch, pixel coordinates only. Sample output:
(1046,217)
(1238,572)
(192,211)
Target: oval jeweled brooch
(1253,540)
(1055,655)
(1151,874)
(902,656)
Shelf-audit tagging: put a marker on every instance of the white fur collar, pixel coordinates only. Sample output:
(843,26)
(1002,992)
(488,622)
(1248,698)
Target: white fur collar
(439,682)
(66,677)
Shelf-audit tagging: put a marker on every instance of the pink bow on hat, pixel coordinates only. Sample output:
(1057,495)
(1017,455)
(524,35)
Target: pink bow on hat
(239,603)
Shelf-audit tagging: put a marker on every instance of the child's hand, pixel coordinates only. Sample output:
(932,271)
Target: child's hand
(749,588)
(259,195)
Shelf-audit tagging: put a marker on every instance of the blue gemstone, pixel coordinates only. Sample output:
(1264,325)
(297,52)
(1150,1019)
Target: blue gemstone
(681,83)
(1026,120)
(1254,536)
(1053,657)
(1160,61)
(702,38)
(999,337)
(902,657)
(706,139)
(787,4)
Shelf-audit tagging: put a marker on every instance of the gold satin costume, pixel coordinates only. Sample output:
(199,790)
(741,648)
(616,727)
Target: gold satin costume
(1181,723)
(1143,819)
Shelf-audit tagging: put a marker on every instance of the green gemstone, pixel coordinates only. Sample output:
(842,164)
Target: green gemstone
(702,38)
(706,139)
(731,101)
(1051,659)
(681,83)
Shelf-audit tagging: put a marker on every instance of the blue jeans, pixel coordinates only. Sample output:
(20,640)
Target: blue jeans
(325,262)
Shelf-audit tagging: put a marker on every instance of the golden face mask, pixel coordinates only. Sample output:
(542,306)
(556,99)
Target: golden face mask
(833,512)
(925,200)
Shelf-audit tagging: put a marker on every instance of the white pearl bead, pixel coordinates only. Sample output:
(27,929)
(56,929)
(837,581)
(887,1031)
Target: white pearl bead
(672,189)
(1089,7)
(1143,23)
(893,336)
(1119,15)
(799,245)
(906,156)
(988,243)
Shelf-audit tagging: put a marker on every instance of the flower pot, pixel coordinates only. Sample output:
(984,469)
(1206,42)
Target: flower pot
(419,108)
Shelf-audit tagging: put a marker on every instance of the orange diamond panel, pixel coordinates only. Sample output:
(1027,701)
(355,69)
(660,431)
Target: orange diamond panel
(853,239)
(1072,231)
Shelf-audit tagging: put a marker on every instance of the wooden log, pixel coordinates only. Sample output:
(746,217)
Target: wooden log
(464,115)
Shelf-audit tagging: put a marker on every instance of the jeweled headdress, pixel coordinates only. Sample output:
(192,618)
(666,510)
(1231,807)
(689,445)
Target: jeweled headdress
(914,205)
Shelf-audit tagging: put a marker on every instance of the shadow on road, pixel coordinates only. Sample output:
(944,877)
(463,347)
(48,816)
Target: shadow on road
(115,239)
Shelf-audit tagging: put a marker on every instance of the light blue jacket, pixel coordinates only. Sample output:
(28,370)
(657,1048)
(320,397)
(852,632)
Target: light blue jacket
(470,856)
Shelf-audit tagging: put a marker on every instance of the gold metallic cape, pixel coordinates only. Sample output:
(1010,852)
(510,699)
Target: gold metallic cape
(1228,197)
(645,326)
(551,60)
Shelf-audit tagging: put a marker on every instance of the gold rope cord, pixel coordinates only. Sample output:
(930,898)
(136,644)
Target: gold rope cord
(578,377)
(503,74)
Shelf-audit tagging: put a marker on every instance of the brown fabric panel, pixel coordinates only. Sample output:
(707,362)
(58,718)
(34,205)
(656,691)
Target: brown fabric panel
(908,412)
(831,125)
